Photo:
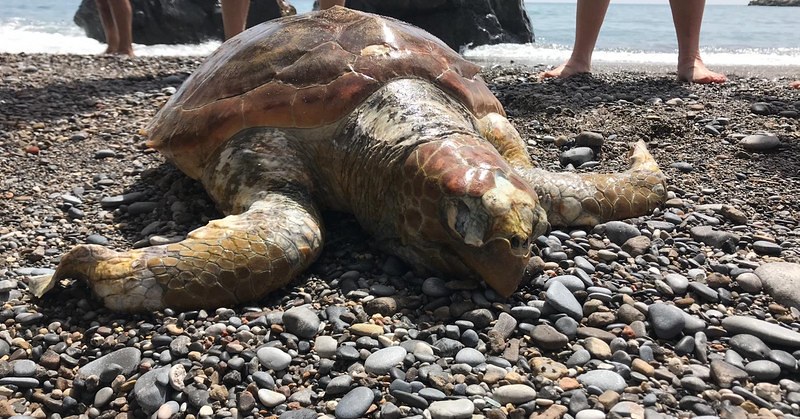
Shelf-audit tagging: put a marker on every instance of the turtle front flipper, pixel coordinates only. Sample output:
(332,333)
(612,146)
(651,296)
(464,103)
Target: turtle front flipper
(232,260)
(586,199)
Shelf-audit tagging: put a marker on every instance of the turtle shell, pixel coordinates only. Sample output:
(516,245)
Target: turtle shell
(304,71)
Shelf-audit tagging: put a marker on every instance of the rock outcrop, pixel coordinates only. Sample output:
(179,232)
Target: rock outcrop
(459,23)
(774,3)
(176,21)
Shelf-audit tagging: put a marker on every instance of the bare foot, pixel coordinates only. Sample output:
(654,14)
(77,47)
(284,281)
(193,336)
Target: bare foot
(697,72)
(565,70)
(795,84)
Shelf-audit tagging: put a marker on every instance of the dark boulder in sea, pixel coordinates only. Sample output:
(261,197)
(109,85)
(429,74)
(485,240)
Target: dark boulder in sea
(459,23)
(774,3)
(177,21)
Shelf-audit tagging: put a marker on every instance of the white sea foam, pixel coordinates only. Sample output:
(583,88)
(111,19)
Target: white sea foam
(532,54)
(17,38)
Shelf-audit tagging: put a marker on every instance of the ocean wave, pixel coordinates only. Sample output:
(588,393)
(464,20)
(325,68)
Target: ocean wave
(19,37)
(533,54)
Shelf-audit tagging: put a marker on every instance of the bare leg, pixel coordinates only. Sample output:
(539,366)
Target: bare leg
(589,17)
(123,21)
(327,4)
(795,84)
(234,16)
(687,16)
(109,28)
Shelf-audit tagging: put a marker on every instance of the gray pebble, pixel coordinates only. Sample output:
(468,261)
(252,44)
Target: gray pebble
(273,358)
(667,320)
(563,301)
(301,321)
(355,403)
(451,409)
(514,394)
(603,379)
(382,360)
(760,142)
(763,370)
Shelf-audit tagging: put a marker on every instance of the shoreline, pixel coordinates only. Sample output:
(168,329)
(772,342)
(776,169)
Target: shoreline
(777,72)
(787,72)
(665,317)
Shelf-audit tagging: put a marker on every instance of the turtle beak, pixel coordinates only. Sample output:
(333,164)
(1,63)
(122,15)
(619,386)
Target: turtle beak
(501,265)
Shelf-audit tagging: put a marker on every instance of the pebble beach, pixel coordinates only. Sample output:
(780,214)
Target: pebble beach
(691,311)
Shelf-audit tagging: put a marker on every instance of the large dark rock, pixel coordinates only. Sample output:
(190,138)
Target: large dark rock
(176,21)
(459,23)
(774,3)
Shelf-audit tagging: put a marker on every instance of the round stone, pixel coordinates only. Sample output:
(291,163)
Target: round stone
(577,156)
(301,321)
(604,380)
(619,232)
(470,356)
(273,358)
(677,282)
(514,394)
(667,320)
(563,300)
(590,414)
(749,346)
(325,346)
(781,280)
(749,282)
(764,247)
(24,367)
(763,370)
(547,337)
(382,360)
(270,398)
(572,282)
(760,142)
(451,409)
(355,403)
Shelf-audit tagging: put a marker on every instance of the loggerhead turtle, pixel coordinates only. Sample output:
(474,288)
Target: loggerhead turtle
(352,112)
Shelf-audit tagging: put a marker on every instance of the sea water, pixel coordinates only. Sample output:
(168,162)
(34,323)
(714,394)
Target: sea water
(733,34)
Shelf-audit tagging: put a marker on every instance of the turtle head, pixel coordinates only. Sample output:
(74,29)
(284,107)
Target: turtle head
(466,212)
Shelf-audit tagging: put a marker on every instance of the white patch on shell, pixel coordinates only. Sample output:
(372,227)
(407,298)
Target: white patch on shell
(378,50)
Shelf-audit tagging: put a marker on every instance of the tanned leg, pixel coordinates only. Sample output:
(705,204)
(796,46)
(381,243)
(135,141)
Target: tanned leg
(795,84)
(109,28)
(688,17)
(589,17)
(123,20)
(234,16)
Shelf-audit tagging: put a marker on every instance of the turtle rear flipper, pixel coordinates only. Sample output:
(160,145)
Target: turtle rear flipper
(587,199)
(229,261)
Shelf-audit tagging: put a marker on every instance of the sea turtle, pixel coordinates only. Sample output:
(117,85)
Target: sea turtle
(348,111)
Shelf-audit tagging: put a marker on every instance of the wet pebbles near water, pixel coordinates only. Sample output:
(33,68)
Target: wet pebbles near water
(689,311)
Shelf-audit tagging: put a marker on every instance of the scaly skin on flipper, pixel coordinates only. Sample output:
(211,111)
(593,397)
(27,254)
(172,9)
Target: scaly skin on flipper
(572,199)
(586,199)
(229,261)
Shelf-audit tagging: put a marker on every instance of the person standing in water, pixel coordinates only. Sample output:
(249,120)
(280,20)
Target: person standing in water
(687,15)
(117,19)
